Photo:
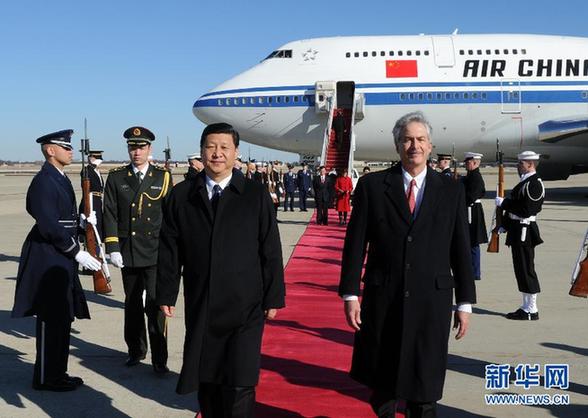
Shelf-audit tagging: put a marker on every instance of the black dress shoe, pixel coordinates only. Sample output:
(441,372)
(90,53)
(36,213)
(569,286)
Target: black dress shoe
(160,368)
(59,385)
(520,315)
(133,361)
(74,379)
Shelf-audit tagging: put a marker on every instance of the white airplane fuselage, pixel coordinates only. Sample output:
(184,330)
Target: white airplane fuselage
(528,91)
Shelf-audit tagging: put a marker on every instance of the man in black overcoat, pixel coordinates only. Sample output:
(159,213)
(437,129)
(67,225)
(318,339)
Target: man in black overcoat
(47,284)
(92,170)
(475,189)
(520,221)
(220,234)
(304,181)
(402,326)
(444,164)
(322,195)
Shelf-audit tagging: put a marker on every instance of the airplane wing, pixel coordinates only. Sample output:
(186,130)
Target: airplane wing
(554,131)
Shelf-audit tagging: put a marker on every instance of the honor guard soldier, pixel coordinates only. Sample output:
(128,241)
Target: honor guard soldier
(132,217)
(96,188)
(47,284)
(475,189)
(444,164)
(196,166)
(520,222)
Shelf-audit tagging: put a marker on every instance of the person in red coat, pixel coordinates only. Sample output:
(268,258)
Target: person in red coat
(343,188)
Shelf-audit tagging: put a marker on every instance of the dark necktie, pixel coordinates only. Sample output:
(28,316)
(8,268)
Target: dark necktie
(410,196)
(140,176)
(216,194)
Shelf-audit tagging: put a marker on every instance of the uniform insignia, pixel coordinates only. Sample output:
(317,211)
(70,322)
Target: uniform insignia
(114,170)
(157,187)
(124,187)
(136,132)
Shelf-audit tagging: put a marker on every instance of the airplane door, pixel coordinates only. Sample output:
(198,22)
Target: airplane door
(510,91)
(443,48)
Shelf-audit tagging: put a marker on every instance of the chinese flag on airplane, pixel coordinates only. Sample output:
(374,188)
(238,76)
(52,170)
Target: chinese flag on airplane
(401,68)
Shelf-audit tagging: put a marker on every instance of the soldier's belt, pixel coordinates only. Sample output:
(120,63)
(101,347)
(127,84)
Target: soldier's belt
(98,194)
(525,221)
(68,223)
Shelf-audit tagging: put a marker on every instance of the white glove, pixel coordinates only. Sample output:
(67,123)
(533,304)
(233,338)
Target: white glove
(498,200)
(91,219)
(116,260)
(87,261)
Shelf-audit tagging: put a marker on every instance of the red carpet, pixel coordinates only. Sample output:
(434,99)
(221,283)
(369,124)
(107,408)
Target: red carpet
(307,349)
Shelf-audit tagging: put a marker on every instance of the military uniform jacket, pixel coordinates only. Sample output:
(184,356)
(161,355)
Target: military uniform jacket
(290,182)
(47,283)
(409,281)
(304,180)
(525,201)
(447,172)
(96,191)
(232,270)
(475,189)
(132,213)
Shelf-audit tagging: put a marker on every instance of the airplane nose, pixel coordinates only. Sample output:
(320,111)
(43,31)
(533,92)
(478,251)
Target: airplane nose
(201,109)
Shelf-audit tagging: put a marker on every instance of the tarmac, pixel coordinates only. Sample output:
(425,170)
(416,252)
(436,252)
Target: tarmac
(98,351)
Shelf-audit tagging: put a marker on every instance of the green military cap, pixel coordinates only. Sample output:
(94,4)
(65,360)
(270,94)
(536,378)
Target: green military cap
(137,135)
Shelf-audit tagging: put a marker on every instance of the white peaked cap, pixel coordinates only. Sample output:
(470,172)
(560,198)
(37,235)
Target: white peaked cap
(474,155)
(528,155)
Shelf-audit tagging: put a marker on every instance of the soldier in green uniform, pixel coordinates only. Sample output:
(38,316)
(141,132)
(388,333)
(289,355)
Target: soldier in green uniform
(133,197)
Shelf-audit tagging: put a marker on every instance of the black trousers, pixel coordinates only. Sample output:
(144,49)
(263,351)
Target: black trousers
(523,261)
(385,407)
(222,401)
(52,349)
(289,197)
(135,281)
(302,199)
(322,212)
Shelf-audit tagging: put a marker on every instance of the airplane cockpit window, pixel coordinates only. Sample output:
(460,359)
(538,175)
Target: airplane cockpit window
(426,52)
(356,54)
(408,52)
(280,53)
(418,53)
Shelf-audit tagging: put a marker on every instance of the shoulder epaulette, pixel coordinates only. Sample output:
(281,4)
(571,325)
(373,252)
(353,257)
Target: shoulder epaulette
(114,170)
(160,168)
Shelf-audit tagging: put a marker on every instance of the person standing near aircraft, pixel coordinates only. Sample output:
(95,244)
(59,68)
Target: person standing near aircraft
(132,217)
(475,189)
(96,189)
(520,221)
(304,182)
(444,164)
(343,189)
(233,276)
(402,327)
(290,184)
(47,283)
(322,195)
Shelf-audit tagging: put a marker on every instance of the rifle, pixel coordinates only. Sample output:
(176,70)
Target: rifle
(454,163)
(494,244)
(580,274)
(167,153)
(93,243)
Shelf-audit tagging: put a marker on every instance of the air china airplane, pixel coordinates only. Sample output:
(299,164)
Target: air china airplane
(527,91)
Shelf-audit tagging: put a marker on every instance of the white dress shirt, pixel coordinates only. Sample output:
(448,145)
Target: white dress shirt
(211,183)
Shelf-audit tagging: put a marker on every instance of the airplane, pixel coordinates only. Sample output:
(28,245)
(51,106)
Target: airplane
(529,92)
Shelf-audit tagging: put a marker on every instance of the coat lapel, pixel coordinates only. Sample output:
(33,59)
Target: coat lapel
(234,187)
(395,192)
(62,180)
(131,179)
(199,195)
(432,192)
(147,181)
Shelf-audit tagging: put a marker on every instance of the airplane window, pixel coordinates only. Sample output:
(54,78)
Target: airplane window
(235,102)
(411,96)
(270,99)
(439,96)
(382,53)
(356,54)
(402,96)
(243,100)
(260,100)
(456,95)
(429,96)
(447,96)
(348,54)
(475,96)
(219,102)
(252,100)
(488,52)
(505,52)
(287,99)
(408,52)
(295,99)
(271,55)
(524,51)
(418,53)
(228,102)
(484,96)
(470,52)
(278,99)
(374,53)
(514,51)
(288,53)
(585,94)
(497,51)
(365,54)
(466,96)
(426,52)
(421,96)
(461,52)
(391,53)
(399,53)
(479,52)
